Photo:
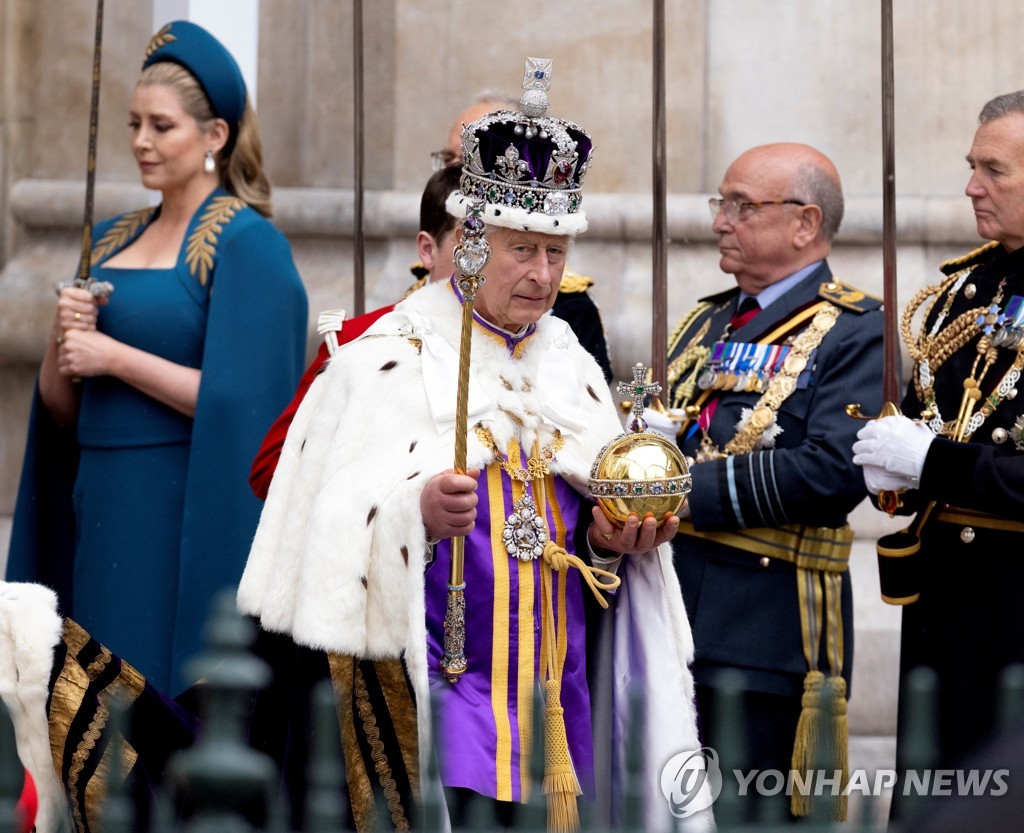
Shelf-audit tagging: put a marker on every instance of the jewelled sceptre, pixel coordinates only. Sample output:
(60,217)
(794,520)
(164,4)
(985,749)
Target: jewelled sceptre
(471,255)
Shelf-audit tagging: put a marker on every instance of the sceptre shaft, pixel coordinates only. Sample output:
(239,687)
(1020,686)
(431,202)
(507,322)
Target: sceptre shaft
(471,255)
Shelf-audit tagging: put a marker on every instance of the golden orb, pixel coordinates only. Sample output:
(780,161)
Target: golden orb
(639,473)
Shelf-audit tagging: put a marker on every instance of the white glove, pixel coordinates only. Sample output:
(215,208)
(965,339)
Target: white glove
(895,444)
(659,423)
(879,480)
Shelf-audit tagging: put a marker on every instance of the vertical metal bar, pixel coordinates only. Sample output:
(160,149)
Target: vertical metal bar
(890,366)
(358,245)
(659,290)
(85,262)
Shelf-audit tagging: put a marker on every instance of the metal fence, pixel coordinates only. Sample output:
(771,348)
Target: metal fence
(222,779)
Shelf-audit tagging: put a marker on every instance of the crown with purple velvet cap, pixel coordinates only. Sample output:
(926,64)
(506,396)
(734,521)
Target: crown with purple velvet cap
(527,167)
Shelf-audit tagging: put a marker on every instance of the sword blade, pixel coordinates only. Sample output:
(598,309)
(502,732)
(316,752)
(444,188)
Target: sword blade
(358,240)
(85,260)
(659,289)
(890,310)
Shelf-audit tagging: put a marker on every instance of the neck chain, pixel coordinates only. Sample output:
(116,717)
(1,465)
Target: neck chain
(525,534)
(536,467)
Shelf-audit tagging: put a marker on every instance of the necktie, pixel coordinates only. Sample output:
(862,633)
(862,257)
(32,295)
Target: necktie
(746,311)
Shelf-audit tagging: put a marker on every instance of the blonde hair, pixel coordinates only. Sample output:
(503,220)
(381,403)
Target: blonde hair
(241,169)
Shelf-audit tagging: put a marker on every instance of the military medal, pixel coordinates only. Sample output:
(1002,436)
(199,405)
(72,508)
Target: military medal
(706,378)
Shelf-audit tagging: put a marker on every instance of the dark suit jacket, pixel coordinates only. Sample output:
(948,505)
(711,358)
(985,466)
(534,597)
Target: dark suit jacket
(745,615)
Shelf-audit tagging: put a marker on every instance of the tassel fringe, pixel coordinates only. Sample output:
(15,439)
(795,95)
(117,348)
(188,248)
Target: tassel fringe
(560,784)
(821,743)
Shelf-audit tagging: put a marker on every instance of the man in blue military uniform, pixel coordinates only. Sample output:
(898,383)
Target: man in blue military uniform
(962,464)
(760,376)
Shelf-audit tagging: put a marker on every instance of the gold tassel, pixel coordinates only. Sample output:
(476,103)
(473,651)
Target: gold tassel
(560,784)
(811,737)
(841,743)
(805,744)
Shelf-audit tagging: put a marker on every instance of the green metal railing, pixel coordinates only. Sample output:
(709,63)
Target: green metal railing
(231,787)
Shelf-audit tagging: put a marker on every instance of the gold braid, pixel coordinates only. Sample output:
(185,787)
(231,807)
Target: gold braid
(937,348)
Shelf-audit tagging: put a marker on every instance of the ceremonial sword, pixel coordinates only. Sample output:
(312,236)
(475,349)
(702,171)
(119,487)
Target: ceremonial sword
(888,500)
(84,279)
(898,552)
(659,289)
(358,267)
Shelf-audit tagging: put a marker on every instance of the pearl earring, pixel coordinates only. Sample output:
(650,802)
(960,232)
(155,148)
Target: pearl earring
(209,165)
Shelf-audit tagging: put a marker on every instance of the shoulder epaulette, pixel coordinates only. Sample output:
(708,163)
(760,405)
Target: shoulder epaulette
(574,282)
(848,297)
(958,263)
(419,271)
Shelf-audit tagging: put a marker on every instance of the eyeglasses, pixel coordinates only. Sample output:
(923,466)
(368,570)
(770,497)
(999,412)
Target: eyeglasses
(442,159)
(736,209)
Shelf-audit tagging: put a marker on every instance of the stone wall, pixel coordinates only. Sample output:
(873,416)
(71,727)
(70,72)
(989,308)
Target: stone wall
(739,73)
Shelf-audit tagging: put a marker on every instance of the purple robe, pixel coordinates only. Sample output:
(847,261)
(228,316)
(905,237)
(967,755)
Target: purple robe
(484,720)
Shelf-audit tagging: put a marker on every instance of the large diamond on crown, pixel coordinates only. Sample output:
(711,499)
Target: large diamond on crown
(556,202)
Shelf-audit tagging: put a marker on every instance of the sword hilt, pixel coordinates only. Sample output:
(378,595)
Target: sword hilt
(889,501)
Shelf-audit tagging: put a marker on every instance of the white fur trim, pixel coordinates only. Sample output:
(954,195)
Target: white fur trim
(520,218)
(344,503)
(648,609)
(30,628)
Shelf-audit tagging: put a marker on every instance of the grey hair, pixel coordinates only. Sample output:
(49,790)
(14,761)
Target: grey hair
(814,186)
(1002,105)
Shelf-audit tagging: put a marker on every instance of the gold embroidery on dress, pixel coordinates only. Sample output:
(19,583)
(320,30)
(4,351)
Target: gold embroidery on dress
(120,234)
(202,243)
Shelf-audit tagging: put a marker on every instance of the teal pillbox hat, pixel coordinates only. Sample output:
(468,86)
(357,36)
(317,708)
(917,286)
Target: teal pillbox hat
(183,42)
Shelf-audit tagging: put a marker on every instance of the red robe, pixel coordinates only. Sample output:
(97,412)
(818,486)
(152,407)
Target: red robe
(265,464)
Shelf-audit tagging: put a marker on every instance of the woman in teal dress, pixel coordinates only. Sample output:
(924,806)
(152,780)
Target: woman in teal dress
(161,394)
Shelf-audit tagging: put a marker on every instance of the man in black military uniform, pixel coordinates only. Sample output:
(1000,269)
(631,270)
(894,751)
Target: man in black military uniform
(962,464)
(760,375)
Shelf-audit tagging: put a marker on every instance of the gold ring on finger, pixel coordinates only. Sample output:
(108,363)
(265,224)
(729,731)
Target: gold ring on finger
(78,316)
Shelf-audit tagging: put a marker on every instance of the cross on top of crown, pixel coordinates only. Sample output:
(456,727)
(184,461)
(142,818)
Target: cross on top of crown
(639,390)
(537,74)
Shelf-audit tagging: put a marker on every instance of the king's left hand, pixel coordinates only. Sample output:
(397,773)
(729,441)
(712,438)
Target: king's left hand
(634,536)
